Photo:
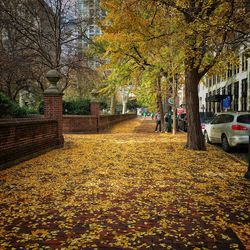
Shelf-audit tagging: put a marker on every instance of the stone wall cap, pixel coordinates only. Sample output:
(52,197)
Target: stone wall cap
(52,92)
(79,116)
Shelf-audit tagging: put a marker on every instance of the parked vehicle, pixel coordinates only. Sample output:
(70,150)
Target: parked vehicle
(204,118)
(230,129)
(182,122)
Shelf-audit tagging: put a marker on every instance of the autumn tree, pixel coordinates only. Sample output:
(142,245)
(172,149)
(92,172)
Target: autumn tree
(201,30)
(205,29)
(142,45)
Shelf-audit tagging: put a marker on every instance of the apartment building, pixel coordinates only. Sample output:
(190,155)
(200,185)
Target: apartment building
(90,12)
(229,91)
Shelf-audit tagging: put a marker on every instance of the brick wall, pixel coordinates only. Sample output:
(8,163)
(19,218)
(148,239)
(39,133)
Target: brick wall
(80,123)
(106,121)
(90,123)
(20,138)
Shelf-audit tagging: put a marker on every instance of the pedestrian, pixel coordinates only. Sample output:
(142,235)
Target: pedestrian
(152,115)
(166,122)
(158,121)
(170,120)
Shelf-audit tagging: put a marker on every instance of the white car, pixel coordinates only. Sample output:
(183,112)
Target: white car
(230,129)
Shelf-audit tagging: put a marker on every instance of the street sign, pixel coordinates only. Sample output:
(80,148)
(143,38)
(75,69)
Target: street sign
(226,102)
(170,101)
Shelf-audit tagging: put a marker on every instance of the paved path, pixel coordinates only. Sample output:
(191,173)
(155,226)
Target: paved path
(129,189)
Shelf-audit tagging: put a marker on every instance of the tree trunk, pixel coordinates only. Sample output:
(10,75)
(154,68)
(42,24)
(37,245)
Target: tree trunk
(174,105)
(195,138)
(159,100)
(124,102)
(124,107)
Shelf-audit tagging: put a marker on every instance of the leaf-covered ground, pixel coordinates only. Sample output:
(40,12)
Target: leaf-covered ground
(129,189)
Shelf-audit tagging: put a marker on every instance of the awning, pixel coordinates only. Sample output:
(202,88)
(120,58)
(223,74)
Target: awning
(217,98)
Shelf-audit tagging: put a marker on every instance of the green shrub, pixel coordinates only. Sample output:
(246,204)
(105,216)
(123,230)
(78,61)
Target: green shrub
(132,105)
(41,108)
(9,108)
(76,107)
(31,111)
(103,105)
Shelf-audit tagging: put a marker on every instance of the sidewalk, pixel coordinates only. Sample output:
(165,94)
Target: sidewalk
(130,189)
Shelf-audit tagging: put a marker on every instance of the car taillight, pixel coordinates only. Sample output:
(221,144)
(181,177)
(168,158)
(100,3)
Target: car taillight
(239,127)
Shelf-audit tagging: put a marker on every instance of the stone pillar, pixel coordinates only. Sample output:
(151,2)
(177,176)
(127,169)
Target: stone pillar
(53,103)
(95,109)
(94,105)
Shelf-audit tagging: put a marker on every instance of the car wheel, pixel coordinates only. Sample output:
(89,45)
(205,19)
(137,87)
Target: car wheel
(206,137)
(225,145)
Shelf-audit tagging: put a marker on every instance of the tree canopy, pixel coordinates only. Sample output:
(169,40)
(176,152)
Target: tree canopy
(161,35)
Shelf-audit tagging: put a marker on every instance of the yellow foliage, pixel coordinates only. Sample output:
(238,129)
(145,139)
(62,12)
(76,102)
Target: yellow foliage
(127,188)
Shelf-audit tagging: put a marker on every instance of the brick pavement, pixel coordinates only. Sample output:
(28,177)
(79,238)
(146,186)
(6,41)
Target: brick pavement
(130,189)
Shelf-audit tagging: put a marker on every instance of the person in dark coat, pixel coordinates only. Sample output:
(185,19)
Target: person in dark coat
(158,122)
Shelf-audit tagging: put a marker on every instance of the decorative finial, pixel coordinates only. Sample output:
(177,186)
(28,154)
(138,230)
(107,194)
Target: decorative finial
(53,77)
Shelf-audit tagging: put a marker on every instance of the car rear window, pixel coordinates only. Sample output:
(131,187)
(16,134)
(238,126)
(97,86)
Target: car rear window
(244,119)
(206,117)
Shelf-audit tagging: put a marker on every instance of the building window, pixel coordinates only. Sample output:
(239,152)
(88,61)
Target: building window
(218,103)
(229,92)
(236,69)
(213,104)
(210,82)
(91,12)
(214,79)
(223,91)
(91,29)
(244,62)
(210,104)
(236,89)
(218,79)
(229,89)
(244,95)
(236,97)
(207,108)
(229,71)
